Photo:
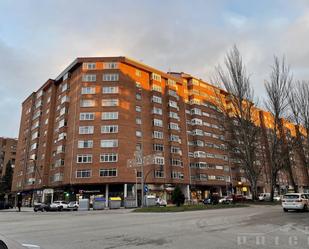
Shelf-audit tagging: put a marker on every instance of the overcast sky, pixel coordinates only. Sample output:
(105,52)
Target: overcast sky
(38,39)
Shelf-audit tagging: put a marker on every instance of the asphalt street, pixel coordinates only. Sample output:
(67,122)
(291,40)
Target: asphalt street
(252,227)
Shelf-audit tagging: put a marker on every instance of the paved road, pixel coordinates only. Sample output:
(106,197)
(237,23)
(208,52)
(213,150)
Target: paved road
(253,227)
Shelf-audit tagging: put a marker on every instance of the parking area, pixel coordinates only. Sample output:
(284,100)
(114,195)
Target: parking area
(252,227)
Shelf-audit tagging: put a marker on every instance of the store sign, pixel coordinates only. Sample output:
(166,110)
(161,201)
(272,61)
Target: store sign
(89,191)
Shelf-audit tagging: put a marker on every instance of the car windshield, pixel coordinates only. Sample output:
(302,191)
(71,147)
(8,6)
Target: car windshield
(291,196)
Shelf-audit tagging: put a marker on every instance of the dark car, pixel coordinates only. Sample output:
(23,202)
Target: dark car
(41,207)
(239,198)
(213,199)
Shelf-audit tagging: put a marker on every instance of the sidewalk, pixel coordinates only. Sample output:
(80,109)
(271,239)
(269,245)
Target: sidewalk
(15,210)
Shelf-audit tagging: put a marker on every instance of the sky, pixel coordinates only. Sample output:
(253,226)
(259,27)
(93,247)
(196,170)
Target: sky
(39,38)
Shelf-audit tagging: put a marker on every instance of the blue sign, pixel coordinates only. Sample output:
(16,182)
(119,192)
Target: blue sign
(145,188)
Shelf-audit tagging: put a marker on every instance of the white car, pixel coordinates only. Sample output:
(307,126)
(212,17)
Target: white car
(161,202)
(58,205)
(264,197)
(295,201)
(73,205)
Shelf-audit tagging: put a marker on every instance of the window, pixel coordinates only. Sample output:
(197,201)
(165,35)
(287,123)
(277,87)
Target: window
(85,173)
(62,123)
(89,78)
(110,89)
(64,99)
(159,174)
(87,103)
(89,65)
(108,172)
(111,143)
(174,115)
(86,129)
(173,93)
(159,160)
(177,175)
(196,121)
(157,147)
(110,77)
(88,90)
(86,158)
(157,111)
(110,102)
(138,73)
(196,111)
(86,116)
(33,146)
(64,87)
(176,150)
(173,126)
(85,144)
(110,65)
(175,138)
(63,111)
(109,115)
(138,96)
(157,134)
(35,135)
(138,133)
(138,121)
(171,82)
(198,132)
(61,136)
(109,129)
(138,108)
(156,77)
(199,154)
(138,84)
(58,177)
(173,104)
(156,88)
(109,157)
(176,162)
(157,122)
(157,99)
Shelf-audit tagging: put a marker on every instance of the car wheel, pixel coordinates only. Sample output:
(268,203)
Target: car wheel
(305,209)
(35,210)
(285,210)
(60,209)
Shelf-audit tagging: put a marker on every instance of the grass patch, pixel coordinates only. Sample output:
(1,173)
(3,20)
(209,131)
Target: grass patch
(186,208)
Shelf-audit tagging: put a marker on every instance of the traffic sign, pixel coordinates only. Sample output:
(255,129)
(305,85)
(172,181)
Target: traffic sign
(145,188)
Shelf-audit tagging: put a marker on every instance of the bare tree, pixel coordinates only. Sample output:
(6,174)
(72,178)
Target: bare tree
(238,107)
(299,108)
(277,92)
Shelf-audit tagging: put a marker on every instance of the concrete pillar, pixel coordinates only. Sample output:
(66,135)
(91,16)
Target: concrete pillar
(220,191)
(188,193)
(125,190)
(106,194)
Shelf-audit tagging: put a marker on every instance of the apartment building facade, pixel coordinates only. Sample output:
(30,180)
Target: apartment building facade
(79,130)
(7,153)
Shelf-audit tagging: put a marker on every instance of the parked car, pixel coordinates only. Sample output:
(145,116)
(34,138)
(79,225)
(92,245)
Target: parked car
(239,198)
(277,198)
(40,207)
(73,205)
(58,206)
(161,202)
(226,200)
(295,201)
(264,197)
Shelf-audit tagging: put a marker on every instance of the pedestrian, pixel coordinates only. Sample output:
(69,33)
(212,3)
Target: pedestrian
(19,205)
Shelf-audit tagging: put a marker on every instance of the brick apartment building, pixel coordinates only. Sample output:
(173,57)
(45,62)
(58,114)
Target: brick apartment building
(7,153)
(78,131)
